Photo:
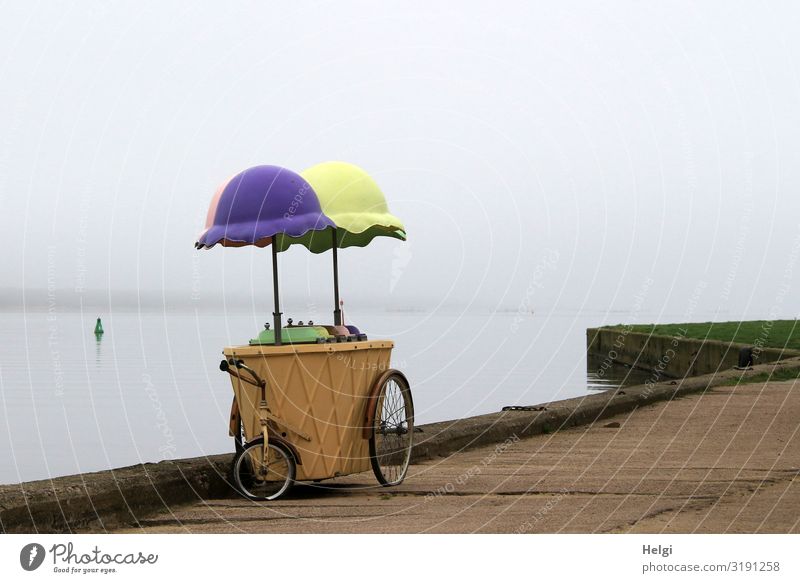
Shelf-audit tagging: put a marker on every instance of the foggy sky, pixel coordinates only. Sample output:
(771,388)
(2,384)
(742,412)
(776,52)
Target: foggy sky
(551,155)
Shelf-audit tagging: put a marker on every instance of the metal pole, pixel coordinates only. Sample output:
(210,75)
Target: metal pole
(337,313)
(276,315)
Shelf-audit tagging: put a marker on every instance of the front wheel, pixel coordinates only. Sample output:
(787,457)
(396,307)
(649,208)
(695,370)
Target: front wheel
(392,430)
(264,477)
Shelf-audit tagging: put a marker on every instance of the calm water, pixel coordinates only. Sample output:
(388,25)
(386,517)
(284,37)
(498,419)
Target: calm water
(151,389)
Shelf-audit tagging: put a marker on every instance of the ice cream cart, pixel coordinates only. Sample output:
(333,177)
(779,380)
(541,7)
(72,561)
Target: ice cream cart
(311,401)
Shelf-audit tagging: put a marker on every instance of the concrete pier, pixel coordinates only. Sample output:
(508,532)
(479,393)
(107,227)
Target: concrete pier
(682,455)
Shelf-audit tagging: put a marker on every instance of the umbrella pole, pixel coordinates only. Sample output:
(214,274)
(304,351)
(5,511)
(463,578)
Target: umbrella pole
(276,315)
(337,313)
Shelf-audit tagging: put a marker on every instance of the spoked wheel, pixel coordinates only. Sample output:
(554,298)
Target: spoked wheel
(392,430)
(261,477)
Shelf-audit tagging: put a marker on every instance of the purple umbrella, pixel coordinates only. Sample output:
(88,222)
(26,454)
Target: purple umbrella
(256,205)
(261,206)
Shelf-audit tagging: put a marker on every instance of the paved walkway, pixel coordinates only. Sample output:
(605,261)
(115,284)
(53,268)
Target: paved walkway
(724,461)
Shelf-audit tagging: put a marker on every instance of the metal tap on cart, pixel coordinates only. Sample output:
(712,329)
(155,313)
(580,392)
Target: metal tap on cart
(311,401)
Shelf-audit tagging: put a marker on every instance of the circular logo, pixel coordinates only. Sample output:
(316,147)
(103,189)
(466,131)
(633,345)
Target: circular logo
(31,556)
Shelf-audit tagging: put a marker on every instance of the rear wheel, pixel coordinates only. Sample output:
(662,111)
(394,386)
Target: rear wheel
(264,477)
(392,431)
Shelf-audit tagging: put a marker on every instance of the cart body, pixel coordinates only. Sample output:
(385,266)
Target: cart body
(319,396)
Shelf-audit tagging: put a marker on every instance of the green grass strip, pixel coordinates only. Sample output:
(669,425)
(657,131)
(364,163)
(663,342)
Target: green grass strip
(783,374)
(764,333)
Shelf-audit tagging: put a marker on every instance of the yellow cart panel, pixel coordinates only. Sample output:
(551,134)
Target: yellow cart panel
(319,393)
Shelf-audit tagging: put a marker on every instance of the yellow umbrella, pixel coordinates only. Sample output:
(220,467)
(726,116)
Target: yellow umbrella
(354,202)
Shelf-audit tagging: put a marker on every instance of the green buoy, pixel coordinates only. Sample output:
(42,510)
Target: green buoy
(98,328)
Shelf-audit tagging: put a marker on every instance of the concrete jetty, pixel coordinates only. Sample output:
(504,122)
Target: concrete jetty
(679,456)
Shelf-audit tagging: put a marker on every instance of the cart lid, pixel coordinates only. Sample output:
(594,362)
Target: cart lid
(260,204)
(354,202)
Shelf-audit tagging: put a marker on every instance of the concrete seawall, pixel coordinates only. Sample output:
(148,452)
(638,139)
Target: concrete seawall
(671,356)
(104,500)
